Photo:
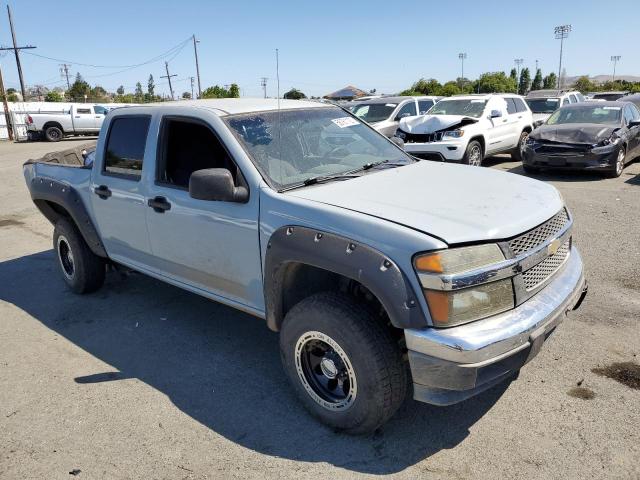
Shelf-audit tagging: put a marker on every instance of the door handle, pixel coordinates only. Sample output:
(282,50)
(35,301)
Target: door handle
(102,191)
(77,116)
(505,120)
(159,204)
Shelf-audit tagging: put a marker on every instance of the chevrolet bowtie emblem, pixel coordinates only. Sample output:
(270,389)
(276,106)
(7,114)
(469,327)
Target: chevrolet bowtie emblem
(553,247)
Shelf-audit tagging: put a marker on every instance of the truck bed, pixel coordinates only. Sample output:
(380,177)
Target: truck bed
(71,157)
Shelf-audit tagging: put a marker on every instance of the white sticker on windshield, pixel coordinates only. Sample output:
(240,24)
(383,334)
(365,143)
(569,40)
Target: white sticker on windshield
(390,105)
(477,101)
(611,108)
(343,122)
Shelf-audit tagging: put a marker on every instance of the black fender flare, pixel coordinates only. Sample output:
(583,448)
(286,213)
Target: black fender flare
(46,191)
(340,255)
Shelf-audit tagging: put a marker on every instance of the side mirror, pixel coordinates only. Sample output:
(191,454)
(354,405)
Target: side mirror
(495,114)
(216,184)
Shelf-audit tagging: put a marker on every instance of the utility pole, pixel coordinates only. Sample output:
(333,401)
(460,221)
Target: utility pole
(615,59)
(16,50)
(168,77)
(462,56)
(64,67)
(263,84)
(195,50)
(192,97)
(561,32)
(7,115)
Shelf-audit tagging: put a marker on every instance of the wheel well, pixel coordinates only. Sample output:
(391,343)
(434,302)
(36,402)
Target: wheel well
(53,211)
(527,129)
(480,139)
(301,281)
(52,124)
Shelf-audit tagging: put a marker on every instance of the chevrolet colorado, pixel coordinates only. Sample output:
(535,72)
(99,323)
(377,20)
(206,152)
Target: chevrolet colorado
(380,272)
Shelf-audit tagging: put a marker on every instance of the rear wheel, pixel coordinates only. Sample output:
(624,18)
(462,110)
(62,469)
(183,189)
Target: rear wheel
(343,363)
(473,155)
(53,134)
(618,167)
(518,152)
(82,270)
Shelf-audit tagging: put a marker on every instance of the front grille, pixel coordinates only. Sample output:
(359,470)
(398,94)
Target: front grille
(539,274)
(568,150)
(420,137)
(540,234)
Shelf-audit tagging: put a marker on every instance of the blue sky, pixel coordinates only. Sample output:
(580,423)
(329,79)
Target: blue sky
(323,45)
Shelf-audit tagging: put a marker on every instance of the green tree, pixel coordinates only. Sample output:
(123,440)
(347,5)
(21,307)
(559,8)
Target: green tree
(495,82)
(537,81)
(525,81)
(53,97)
(120,90)
(514,75)
(234,91)
(98,94)
(550,81)
(215,92)
(450,88)
(584,85)
(151,86)
(79,89)
(427,87)
(186,95)
(410,93)
(294,94)
(12,97)
(138,94)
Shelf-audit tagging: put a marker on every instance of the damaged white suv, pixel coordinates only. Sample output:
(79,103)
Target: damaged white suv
(467,128)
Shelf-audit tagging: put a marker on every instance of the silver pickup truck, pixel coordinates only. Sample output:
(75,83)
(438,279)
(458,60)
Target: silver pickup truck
(379,271)
(71,119)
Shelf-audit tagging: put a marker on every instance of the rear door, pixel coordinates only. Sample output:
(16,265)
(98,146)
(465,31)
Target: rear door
(117,189)
(83,118)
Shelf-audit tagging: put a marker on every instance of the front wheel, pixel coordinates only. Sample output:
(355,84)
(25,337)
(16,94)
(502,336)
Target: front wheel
(473,155)
(343,363)
(618,167)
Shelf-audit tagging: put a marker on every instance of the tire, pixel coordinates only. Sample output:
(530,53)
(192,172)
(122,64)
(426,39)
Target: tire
(82,270)
(473,155)
(363,363)
(530,169)
(618,167)
(53,134)
(516,154)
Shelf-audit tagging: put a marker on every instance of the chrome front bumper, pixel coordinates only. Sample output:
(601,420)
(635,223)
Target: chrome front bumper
(449,365)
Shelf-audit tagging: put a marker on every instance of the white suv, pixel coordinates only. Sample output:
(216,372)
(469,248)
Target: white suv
(384,113)
(466,128)
(544,102)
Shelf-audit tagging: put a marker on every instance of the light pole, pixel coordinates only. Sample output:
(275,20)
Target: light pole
(561,32)
(462,56)
(615,59)
(518,62)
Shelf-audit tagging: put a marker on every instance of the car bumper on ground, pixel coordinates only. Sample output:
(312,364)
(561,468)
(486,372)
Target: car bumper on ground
(604,160)
(452,364)
(443,151)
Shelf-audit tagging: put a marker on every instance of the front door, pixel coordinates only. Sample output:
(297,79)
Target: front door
(499,129)
(84,119)
(212,246)
(117,191)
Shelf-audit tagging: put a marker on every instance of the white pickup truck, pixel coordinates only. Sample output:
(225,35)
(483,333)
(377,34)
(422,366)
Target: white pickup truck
(71,119)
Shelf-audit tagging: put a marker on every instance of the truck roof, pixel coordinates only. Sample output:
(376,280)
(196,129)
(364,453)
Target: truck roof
(231,106)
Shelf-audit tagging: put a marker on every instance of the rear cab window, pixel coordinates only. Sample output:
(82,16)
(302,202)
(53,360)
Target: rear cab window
(126,140)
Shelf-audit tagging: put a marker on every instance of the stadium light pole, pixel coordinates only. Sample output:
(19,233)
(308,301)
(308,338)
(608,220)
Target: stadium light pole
(462,56)
(561,32)
(615,59)
(518,62)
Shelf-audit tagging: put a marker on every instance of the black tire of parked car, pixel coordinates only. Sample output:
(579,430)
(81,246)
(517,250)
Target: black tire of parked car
(618,166)
(81,269)
(365,380)
(516,153)
(53,134)
(474,154)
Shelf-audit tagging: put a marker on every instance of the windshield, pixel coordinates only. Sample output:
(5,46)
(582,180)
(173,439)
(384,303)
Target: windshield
(543,105)
(374,112)
(311,142)
(586,114)
(468,108)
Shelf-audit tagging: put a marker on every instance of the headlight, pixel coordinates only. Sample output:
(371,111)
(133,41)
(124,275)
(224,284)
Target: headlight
(453,134)
(454,307)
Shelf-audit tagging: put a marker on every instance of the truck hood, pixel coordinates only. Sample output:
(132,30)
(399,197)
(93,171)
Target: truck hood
(587,133)
(433,123)
(455,203)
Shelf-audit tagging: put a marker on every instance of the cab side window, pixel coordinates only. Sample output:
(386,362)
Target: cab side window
(407,108)
(100,110)
(520,105)
(628,115)
(573,98)
(126,142)
(85,111)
